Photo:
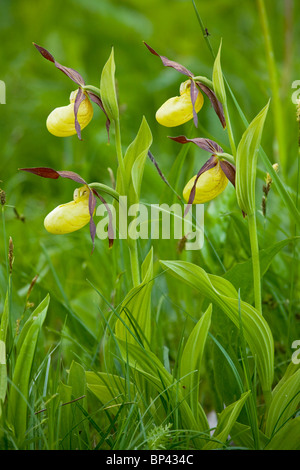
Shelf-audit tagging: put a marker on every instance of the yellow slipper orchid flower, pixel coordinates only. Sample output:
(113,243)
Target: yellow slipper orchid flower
(72,216)
(210,184)
(61,121)
(179,109)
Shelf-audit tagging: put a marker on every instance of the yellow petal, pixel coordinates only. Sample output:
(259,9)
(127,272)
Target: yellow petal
(209,185)
(61,122)
(179,109)
(72,216)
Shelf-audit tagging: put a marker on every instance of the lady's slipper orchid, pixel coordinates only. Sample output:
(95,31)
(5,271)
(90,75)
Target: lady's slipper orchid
(72,216)
(209,185)
(179,109)
(212,178)
(180,105)
(69,120)
(61,121)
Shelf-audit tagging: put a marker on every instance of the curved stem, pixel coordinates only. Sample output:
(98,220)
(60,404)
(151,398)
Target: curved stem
(273,74)
(229,130)
(105,189)
(93,89)
(120,155)
(134,261)
(132,244)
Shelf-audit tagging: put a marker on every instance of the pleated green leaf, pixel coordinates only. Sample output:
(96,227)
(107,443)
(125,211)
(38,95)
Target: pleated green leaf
(242,435)
(4,320)
(284,403)
(3,373)
(226,420)
(134,161)
(221,292)
(77,381)
(108,88)
(246,162)
(19,389)
(287,438)
(135,319)
(218,81)
(241,274)
(109,388)
(147,364)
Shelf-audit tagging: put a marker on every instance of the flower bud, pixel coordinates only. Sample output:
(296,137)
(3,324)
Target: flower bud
(72,216)
(209,185)
(61,122)
(179,109)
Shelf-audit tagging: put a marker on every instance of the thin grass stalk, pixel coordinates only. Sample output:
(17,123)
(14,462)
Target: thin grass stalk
(132,245)
(294,254)
(4,241)
(278,112)
(229,130)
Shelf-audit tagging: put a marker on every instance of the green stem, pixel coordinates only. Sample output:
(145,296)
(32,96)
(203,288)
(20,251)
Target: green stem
(278,113)
(4,240)
(93,89)
(132,244)
(229,130)
(255,261)
(120,155)
(106,189)
(206,36)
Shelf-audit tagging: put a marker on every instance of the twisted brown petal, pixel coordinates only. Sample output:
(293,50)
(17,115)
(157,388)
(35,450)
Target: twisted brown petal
(205,144)
(71,73)
(170,63)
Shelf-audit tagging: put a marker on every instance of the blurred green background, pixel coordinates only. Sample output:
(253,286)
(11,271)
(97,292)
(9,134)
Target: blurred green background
(80,35)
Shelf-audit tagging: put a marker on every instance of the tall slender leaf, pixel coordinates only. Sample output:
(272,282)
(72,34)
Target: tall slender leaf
(246,162)
(108,88)
(19,390)
(226,420)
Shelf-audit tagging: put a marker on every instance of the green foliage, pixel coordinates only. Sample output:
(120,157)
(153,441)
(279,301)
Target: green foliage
(246,162)
(19,390)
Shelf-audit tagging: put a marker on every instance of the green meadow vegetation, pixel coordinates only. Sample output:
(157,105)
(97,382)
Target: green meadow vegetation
(127,343)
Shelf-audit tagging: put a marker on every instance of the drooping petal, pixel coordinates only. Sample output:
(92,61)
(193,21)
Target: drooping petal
(71,73)
(229,170)
(205,144)
(45,172)
(78,100)
(98,101)
(215,102)
(170,63)
(151,157)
